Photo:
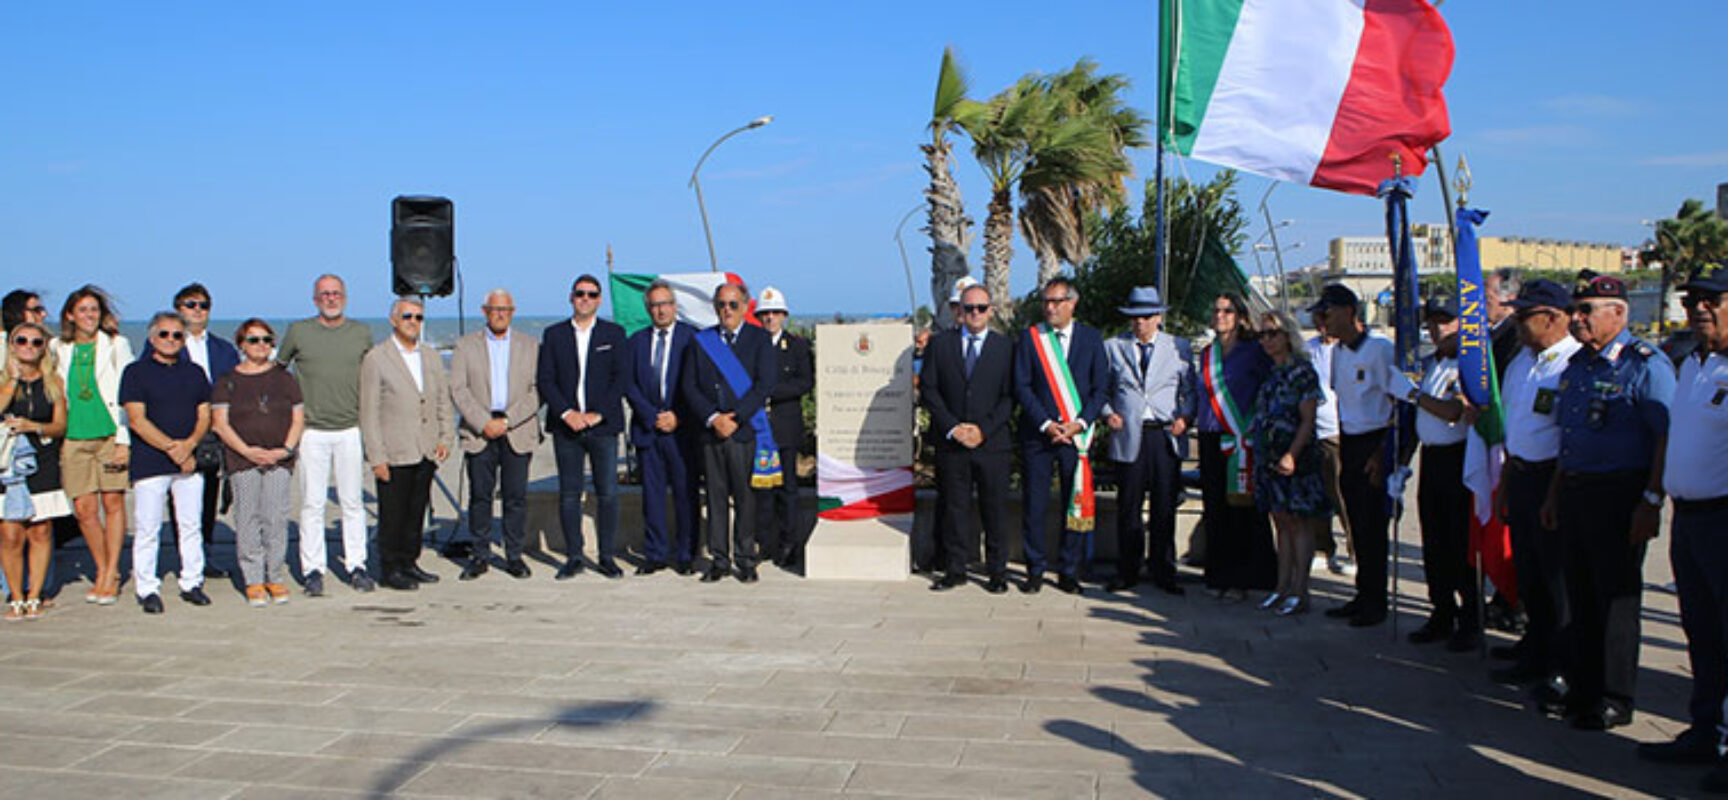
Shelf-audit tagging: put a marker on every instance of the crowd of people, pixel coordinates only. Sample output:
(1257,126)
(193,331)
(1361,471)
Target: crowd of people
(1599,431)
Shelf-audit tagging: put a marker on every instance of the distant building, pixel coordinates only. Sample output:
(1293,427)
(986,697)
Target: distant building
(1529,253)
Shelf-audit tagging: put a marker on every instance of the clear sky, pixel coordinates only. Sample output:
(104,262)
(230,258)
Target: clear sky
(252,146)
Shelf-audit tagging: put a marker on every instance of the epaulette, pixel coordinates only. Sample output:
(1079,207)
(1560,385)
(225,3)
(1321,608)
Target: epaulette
(1644,348)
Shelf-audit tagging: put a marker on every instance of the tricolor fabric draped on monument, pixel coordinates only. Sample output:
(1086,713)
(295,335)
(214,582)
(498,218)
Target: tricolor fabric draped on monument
(693,290)
(1318,92)
(848,491)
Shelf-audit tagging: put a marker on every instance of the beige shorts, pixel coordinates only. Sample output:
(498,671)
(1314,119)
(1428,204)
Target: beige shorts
(84,467)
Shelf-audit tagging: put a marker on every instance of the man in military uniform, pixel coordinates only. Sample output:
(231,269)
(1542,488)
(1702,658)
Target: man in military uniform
(1607,497)
(779,534)
(1696,476)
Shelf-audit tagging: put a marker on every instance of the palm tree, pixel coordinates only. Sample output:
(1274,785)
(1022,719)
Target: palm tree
(949,227)
(1694,236)
(1004,131)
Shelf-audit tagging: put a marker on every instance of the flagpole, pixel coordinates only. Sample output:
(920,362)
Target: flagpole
(1159,271)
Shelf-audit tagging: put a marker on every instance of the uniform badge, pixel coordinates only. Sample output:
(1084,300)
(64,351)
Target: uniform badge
(1544,401)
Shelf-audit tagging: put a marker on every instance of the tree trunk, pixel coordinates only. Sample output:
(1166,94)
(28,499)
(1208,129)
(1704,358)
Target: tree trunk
(948,228)
(999,252)
(1049,264)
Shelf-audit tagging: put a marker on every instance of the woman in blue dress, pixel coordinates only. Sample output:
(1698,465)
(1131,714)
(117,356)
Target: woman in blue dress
(1287,477)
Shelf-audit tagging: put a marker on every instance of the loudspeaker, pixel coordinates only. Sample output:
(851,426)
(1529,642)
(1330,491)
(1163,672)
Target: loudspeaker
(422,245)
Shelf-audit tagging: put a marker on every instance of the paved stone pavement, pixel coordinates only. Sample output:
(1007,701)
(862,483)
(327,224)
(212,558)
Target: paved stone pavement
(664,687)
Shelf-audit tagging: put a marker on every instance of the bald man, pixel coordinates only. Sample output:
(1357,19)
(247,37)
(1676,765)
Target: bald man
(492,385)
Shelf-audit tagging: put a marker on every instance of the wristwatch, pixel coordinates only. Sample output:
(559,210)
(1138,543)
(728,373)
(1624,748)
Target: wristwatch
(1652,498)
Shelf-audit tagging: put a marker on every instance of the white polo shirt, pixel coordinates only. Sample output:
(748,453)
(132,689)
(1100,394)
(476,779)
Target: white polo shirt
(1531,396)
(1326,412)
(1697,461)
(1440,380)
(1367,381)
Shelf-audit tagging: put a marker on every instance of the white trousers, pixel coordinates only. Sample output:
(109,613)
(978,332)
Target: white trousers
(149,506)
(318,451)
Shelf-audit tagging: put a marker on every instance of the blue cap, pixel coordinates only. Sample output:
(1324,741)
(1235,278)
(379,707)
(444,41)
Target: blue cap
(1711,277)
(1335,294)
(1542,293)
(1143,301)
(1440,306)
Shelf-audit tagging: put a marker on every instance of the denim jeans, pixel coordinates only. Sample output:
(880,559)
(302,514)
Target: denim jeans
(601,452)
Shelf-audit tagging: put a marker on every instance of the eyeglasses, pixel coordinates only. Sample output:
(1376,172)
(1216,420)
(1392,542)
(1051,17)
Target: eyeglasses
(195,305)
(770,313)
(587,294)
(730,305)
(490,309)
(975,309)
(1695,297)
(662,303)
(1224,310)
(329,293)
(259,340)
(411,316)
(175,335)
(1050,301)
(1584,308)
(27,341)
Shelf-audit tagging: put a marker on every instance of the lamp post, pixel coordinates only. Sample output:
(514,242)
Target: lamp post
(707,233)
(1278,261)
(911,294)
(1272,231)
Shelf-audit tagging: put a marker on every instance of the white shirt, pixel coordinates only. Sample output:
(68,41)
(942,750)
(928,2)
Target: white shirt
(1698,431)
(198,349)
(498,368)
(1531,397)
(1326,412)
(411,357)
(1440,380)
(582,337)
(1367,381)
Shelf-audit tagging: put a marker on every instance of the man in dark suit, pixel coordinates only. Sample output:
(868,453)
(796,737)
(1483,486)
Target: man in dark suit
(967,384)
(581,378)
(725,382)
(1051,436)
(779,533)
(659,429)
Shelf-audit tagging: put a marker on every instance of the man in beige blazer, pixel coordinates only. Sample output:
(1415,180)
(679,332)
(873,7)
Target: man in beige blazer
(405,426)
(492,383)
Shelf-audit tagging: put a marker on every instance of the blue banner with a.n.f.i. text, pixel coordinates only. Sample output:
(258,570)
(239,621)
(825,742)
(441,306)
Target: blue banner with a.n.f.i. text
(1475,352)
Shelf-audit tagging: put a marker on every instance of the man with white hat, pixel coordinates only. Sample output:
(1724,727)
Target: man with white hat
(779,534)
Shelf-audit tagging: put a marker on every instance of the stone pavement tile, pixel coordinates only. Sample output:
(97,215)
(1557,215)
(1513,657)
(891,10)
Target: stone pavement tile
(246,767)
(34,784)
(908,684)
(275,691)
(44,753)
(1049,671)
(479,752)
(1121,706)
(123,682)
(547,708)
(743,718)
(45,668)
(274,739)
(501,728)
(387,697)
(957,705)
(42,700)
(616,788)
(359,719)
(297,793)
(1151,736)
(1015,687)
(68,725)
(21,677)
(587,688)
(865,723)
(649,737)
(789,772)
(987,632)
(960,782)
(1000,729)
(837,747)
(1048,756)
(137,705)
(380,778)
(419,676)
(677,673)
(768,697)
(449,780)
(183,732)
(895,665)
(931,650)
(138,759)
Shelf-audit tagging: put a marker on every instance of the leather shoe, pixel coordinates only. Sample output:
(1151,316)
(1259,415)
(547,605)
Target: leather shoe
(650,567)
(1120,584)
(998,584)
(1464,640)
(571,568)
(1170,586)
(609,568)
(1431,631)
(419,575)
(684,568)
(1550,697)
(517,569)
(747,575)
(399,580)
(1068,584)
(948,582)
(1345,611)
(1692,746)
(152,603)
(195,596)
(1033,584)
(215,573)
(1602,718)
(475,569)
(1368,617)
(715,573)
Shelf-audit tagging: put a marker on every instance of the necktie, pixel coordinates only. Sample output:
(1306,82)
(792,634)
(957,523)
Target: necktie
(1145,359)
(729,336)
(971,353)
(660,362)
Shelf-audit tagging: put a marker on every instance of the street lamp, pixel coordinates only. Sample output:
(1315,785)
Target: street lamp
(911,294)
(713,261)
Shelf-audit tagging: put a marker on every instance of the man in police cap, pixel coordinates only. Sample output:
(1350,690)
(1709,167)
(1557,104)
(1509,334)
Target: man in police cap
(1607,497)
(779,534)
(1696,477)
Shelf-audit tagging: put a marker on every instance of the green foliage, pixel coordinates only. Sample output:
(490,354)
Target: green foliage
(951,86)
(1695,236)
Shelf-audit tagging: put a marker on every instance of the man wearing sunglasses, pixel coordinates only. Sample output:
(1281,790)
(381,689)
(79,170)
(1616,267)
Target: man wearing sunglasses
(167,403)
(581,379)
(1606,498)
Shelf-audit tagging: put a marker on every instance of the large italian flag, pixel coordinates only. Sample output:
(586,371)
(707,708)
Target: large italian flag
(846,491)
(1320,92)
(693,290)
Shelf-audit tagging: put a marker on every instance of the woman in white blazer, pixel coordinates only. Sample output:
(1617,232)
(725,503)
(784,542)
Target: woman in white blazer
(94,457)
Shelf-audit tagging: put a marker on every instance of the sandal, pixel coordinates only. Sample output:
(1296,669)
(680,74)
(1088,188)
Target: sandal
(14,611)
(32,609)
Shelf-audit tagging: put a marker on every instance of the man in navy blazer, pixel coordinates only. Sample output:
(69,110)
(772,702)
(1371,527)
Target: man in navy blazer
(967,384)
(1047,440)
(661,430)
(582,374)
(727,440)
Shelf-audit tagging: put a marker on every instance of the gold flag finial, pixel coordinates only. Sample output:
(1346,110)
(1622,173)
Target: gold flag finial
(1462,183)
(1397,164)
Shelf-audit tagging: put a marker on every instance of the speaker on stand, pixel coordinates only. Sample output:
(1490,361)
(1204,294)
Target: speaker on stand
(422,246)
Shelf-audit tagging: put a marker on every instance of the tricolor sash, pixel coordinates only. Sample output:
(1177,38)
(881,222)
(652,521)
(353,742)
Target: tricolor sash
(765,467)
(1081,513)
(1237,450)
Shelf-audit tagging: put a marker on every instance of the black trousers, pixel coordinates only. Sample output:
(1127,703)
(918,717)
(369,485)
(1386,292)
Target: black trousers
(1366,504)
(1538,556)
(959,471)
(1155,472)
(499,468)
(1604,586)
(726,468)
(402,514)
(779,531)
(1443,505)
(1239,551)
(1698,550)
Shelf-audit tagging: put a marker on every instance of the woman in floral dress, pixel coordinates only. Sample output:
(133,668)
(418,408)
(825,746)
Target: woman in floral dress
(1287,474)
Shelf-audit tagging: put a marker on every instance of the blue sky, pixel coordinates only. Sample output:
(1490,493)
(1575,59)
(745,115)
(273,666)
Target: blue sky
(252,146)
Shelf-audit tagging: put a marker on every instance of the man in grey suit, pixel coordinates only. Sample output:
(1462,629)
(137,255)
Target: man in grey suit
(405,425)
(1151,403)
(492,383)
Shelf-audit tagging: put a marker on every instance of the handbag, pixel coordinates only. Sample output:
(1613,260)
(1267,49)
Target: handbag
(209,454)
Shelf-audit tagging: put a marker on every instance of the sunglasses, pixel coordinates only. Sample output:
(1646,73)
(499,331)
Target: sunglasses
(490,309)
(196,305)
(27,341)
(1708,298)
(1585,308)
(35,309)
(411,316)
(1230,311)
(586,294)
(731,305)
(259,340)
(975,309)
(175,335)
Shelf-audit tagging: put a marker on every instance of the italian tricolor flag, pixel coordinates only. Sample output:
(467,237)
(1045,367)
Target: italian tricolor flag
(846,491)
(1320,92)
(693,290)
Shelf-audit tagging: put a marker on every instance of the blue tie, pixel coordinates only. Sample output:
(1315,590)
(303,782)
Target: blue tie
(971,353)
(1145,359)
(729,337)
(660,363)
